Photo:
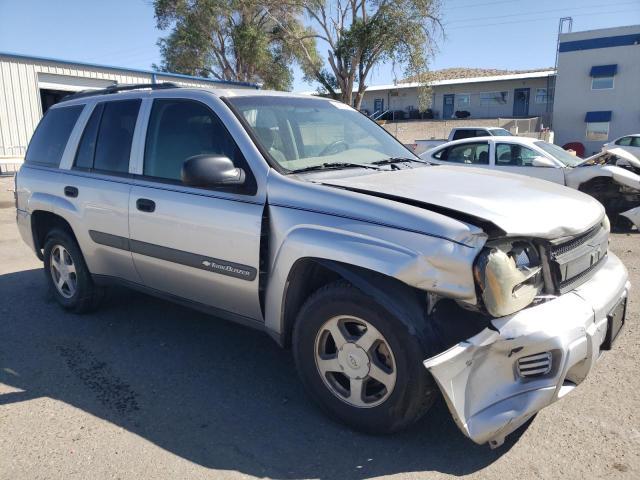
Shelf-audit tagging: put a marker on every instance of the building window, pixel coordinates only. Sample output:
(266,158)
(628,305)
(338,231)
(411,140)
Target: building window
(597,131)
(493,98)
(463,99)
(601,83)
(602,76)
(542,96)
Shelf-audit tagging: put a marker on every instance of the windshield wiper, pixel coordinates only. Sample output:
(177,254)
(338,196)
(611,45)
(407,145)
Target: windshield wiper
(332,165)
(389,160)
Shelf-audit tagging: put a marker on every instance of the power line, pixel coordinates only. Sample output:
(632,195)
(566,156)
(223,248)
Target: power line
(566,9)
(534,20)
(472,5)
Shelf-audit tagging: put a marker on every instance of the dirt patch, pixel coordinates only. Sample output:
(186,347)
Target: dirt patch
(112,392)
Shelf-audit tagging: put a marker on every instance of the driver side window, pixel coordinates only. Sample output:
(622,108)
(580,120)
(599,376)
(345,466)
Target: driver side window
(514,155)
(179,129)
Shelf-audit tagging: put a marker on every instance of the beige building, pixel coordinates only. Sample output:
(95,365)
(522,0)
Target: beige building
(30,85)
(500,96)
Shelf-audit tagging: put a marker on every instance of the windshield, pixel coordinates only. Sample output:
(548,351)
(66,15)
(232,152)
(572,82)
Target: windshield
(301,133)
(559,154)
(500,132)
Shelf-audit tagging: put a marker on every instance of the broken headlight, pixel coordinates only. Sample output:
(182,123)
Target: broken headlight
(509,276)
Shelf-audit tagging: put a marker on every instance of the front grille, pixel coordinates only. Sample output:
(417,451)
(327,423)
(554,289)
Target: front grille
(575,242)
(534,365)
(574,261)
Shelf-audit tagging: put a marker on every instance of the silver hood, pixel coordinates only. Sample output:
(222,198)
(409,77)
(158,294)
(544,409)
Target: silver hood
(518,205)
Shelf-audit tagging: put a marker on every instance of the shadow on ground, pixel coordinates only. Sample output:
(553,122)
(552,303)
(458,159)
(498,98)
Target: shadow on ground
(214,393)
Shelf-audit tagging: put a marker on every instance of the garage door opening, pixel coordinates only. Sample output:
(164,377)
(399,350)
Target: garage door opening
(48,98)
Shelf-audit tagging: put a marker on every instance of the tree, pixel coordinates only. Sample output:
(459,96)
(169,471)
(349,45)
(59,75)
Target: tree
(235,40)
(360,34)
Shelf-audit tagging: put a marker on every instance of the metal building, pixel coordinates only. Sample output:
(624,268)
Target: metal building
(30,85)
(598,86)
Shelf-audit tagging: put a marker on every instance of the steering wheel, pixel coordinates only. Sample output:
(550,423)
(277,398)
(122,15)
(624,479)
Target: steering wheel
(338,146)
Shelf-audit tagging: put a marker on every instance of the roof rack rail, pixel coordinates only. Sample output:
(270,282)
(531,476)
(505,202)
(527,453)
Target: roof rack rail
(120,88)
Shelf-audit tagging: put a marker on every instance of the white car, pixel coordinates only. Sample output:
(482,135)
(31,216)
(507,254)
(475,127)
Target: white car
(628,143)
(611,176)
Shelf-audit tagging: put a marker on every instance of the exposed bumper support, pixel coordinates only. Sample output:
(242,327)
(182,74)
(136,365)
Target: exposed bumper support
(479,377)
(633,215)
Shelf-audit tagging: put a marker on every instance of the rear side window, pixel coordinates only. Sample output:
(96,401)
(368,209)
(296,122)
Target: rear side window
(469,153)
(106,141)
(50,138)
(441,154)
(115,135)
(87,147)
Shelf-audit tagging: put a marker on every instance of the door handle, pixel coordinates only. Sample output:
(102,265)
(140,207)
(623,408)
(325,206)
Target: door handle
(145,205)
(71,191)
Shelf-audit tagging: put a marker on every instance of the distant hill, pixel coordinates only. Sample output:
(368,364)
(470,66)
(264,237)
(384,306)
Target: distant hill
(463,72)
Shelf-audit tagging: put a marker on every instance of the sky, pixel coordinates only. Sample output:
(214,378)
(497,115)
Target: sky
(506,34)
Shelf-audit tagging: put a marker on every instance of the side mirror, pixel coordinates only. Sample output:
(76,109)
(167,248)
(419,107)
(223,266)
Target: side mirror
(542,162)
(211,171)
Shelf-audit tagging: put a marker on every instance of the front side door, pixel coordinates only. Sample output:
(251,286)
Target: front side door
(516,158)
(99,185)
(195,243)
(447,106)
(521,102)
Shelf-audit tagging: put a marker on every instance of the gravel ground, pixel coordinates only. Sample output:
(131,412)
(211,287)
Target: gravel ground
(147,389)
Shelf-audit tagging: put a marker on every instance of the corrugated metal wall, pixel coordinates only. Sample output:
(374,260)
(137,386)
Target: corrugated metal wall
(20,104)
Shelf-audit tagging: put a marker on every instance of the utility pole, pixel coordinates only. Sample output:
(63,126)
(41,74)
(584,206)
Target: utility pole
(565,25)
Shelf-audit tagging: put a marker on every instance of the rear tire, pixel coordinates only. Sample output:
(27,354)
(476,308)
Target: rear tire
(372,378)
(67,274)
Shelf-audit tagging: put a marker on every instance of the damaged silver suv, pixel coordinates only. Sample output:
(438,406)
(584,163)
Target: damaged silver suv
(392,280)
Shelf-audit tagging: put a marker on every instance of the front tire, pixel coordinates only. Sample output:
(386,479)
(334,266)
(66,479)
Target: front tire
(359,362)
(67,275)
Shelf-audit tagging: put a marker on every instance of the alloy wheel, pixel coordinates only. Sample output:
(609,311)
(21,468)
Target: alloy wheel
(355,361)
(63,271)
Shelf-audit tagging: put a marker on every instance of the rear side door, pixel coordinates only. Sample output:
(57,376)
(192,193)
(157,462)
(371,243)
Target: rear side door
(198,244)
(518,159)
(98,184)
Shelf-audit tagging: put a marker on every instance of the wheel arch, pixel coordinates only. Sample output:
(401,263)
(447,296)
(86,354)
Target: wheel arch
(42,222)
(407,303)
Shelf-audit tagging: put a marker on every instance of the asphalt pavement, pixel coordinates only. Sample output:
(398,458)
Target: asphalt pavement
(143,388)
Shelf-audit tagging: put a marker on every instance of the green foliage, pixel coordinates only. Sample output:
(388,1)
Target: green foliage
(360,34)
(238,40)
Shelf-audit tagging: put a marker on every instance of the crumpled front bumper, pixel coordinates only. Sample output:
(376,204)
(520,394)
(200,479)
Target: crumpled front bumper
(479,377)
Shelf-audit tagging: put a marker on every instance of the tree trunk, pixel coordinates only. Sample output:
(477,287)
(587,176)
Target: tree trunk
(358,101)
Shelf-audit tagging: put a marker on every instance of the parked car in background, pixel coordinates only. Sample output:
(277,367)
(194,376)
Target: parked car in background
(460,133)
(612,176)
(388,277)
(628,143)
